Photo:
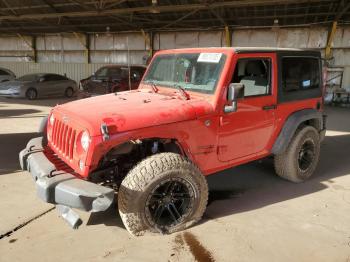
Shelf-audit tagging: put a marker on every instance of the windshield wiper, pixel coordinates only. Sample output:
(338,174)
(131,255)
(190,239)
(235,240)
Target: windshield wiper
(182,91)
(153,85)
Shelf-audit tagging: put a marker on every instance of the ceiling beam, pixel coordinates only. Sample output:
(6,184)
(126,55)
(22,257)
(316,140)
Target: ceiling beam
(159,24)
(9,7)
(164,21)
(83,5)
(161,8)
(180,19)
(343,8)
(52,7)
(64,4)
(114,4)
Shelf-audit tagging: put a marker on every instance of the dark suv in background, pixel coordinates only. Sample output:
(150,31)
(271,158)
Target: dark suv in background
(109,79)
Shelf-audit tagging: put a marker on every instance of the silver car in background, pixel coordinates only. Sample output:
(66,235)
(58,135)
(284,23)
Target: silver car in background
(39,85)
(6,75)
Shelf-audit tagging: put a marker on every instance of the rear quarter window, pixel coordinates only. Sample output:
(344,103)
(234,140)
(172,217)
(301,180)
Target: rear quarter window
(300,73)
(299,77)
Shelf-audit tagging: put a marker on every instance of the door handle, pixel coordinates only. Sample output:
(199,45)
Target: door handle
(269,107)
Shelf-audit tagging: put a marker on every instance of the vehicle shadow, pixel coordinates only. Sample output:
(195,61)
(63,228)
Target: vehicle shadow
(110,217)
(50,102)
(18,113)
(255,185)
(10,146)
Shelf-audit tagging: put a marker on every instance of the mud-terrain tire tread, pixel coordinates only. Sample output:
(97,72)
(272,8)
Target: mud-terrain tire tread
(145,173)
(286,164)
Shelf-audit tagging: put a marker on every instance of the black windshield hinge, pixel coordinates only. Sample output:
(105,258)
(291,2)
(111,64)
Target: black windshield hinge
(104,131)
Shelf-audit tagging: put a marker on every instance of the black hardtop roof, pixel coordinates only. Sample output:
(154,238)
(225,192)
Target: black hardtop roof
(298,51)
(239,50)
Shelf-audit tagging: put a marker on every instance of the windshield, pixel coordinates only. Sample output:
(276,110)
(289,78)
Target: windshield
(198,72)
(113,72)
(32,77)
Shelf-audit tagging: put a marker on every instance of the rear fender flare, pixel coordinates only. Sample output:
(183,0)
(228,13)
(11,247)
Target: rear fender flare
(291,125)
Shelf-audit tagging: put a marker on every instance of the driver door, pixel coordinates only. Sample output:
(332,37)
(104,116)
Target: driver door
(45,85)
(247,132)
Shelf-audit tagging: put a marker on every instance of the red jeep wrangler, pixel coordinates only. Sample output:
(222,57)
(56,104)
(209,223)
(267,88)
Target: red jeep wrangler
(196,112)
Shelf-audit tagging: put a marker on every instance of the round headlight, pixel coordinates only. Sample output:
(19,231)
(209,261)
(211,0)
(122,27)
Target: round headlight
(85,140)
(52,119)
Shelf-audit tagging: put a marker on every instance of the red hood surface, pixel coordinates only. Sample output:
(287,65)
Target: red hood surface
(132,110)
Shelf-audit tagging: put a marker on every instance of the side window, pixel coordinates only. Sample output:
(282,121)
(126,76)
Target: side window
(255,74)
(46,78)
(124,75)
(300,73)
(51,77)
(135,75)
(114,72)
(102,72)
(3,73)
(57,78)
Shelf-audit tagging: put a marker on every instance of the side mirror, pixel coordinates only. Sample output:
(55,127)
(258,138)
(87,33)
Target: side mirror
(235,91)
(41,79)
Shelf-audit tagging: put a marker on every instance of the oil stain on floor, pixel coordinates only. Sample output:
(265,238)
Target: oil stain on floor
(199,252)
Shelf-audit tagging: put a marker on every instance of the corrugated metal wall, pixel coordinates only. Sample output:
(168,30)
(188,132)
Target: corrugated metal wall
(66,53)
(74,71)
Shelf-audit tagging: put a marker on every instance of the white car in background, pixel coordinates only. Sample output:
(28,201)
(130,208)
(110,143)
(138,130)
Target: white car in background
(33,86)
(6,75)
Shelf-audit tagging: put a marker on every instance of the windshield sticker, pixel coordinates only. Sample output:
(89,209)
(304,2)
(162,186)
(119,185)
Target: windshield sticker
(209,57)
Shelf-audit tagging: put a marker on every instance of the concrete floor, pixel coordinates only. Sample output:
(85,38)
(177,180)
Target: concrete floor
(252,215)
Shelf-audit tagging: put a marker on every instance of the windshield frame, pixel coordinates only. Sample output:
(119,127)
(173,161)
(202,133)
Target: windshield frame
(174,84)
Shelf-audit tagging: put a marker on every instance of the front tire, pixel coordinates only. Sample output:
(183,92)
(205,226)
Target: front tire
(164,193)
(300,159)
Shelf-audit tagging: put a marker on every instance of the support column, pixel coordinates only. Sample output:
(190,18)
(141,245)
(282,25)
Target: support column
(87,50)
(328,51)
(227,36)
(85,42)
(35,53)
(148,37)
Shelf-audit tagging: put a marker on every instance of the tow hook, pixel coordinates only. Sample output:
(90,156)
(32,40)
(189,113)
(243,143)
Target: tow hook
(70,216)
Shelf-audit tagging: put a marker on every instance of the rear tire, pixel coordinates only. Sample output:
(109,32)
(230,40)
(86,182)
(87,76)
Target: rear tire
(164,193)
(31,94)
(69,92)
(299,161)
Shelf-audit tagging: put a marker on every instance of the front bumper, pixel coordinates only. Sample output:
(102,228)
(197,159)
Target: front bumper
(59,187)
(7,93)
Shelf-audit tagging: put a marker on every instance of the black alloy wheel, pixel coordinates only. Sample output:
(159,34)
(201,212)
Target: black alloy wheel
(169,203)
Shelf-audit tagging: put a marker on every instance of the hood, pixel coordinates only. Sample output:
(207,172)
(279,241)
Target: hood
(133,110)
(8,84)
